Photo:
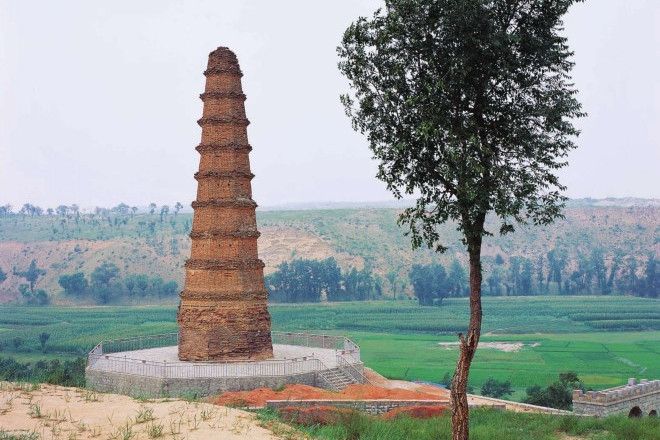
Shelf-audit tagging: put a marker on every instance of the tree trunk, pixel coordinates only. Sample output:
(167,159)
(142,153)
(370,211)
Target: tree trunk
(468,346)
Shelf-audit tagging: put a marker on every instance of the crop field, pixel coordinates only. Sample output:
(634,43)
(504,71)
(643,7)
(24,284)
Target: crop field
(604,339)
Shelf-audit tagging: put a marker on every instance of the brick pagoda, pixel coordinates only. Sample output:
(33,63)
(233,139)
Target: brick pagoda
(223,312)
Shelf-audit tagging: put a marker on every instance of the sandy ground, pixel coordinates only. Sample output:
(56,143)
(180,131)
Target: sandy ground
(55,412)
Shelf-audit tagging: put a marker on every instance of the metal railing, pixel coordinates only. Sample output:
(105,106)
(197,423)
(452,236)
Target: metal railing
(310,340)
(140,343)
(107,356)
(353,370)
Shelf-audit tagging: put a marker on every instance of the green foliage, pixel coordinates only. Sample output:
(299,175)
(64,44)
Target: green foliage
(468,104)
(67,373)
(75,284)
(30,297)
(17,342)
(448,378)
(558,394)
(496,388)
(400,339)
(308,280)
(104,274)
(31,274)
(429,283)
(43,338)
(107,287)
(485,424)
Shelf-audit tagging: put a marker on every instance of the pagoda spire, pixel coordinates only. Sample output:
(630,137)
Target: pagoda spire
(223,313)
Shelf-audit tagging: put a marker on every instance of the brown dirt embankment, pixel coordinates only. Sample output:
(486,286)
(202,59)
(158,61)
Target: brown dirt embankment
(259,397)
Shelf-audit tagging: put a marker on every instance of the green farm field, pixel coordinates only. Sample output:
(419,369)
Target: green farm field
(604,339)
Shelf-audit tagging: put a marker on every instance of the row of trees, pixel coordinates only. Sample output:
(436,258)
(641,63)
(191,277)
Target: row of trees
(592,273)
(522,276)
(105,286)
(28,209)
(432,283)
(314,280)
(311,280)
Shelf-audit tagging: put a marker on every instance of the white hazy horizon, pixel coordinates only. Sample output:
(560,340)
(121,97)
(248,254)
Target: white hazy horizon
(99,100)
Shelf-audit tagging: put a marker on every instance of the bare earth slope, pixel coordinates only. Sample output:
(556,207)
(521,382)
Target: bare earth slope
(144,243)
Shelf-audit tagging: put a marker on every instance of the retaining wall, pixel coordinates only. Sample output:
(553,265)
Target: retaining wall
(376,406)
(141,386)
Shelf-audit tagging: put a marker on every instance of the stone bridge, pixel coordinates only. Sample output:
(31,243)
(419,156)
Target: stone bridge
(636,399)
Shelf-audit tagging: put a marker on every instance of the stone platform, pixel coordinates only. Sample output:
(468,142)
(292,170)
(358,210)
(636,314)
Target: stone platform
(148,367)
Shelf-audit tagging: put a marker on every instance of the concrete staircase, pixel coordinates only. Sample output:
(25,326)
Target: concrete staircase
(335,379)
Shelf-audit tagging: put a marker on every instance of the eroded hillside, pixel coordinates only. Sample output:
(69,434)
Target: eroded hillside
(155,245)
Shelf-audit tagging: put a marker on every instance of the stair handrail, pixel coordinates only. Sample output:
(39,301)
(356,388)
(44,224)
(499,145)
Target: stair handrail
(322,372)
(344,364)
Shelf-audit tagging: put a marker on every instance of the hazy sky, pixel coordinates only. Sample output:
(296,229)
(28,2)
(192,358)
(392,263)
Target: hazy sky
(98,99)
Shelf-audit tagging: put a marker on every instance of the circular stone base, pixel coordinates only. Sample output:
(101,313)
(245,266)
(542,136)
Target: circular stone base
(157,372)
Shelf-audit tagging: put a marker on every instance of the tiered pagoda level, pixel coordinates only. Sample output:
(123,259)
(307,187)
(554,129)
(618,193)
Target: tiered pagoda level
(223,313)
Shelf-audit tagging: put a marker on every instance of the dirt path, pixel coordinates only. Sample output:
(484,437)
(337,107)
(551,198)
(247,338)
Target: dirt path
(54,412)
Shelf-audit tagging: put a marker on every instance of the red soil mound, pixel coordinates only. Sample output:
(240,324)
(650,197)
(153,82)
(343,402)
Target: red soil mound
(259,397)
(318,415)
(416,412)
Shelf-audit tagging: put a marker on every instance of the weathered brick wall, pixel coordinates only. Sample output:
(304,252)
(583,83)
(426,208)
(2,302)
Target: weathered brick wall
(223,313)
(644,395)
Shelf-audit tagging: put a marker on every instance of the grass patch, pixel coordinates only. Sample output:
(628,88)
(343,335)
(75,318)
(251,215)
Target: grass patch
(399,339)
(487,424)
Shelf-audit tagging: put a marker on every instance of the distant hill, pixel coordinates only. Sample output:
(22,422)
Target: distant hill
(143,243)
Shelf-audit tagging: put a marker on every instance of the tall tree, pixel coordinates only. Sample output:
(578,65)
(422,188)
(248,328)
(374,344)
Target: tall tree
(542,288)
(429,283)
(164,210)
(392,278)
(43,338)
(617,258)
(651,284)
(468,105)
(75,284)
(526,278)
(557,260)
(31,274)
(3,275)
(122,209)
(62,210)
(456,279)
(104,274)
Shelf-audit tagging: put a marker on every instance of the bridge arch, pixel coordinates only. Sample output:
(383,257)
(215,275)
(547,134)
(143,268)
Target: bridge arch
(653,413)
(636,411)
